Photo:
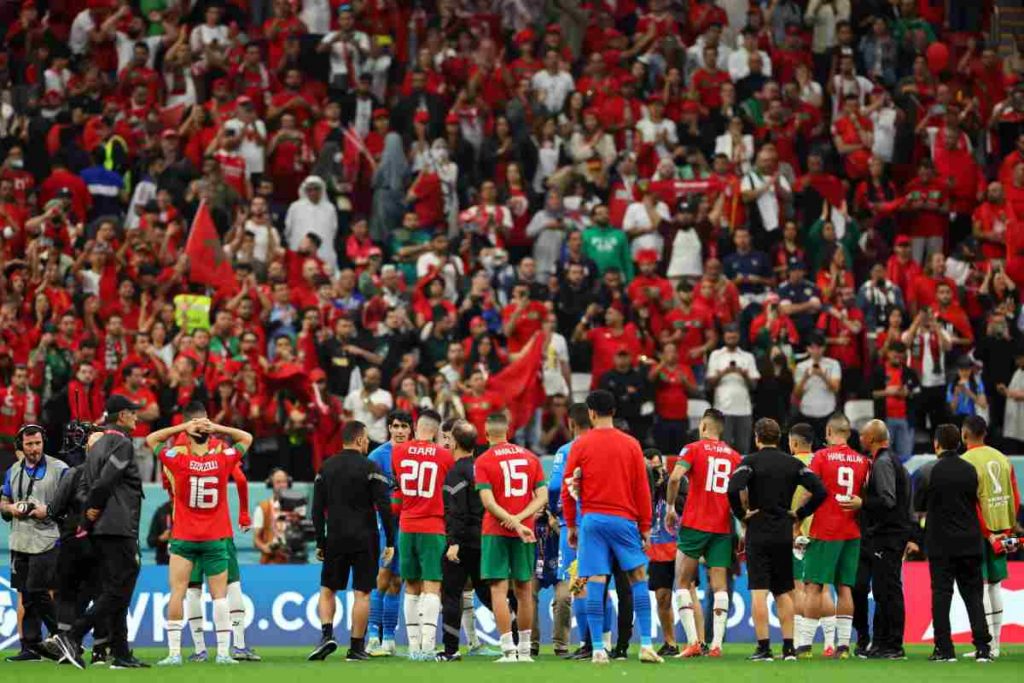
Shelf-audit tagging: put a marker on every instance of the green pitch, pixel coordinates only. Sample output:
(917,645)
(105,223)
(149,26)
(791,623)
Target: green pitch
(289,665)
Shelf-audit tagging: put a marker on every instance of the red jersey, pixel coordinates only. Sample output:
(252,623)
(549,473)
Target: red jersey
(199,486)
(512,474)
(16,408)
(844,472)
(711,464)
(479,407)
(528,322)
(693,326)
(614,478)
(670,399)
(420,468)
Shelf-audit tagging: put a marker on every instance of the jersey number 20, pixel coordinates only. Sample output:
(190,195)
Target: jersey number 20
(202,493)
(420,480)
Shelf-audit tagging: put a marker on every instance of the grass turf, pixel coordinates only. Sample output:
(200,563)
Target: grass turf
(289,665)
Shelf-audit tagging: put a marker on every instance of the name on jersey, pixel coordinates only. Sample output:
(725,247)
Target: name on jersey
(422,450)
(844,457)
(507,451)
(203,466)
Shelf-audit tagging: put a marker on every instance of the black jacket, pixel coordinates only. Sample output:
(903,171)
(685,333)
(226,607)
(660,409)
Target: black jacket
(630,389)
(347,494)
(67,506)
(770,478)
(463,511)
(947,492)
(110,481)
(160,523)
(885,519)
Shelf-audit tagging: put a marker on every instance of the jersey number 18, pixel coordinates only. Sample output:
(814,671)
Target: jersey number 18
(717,478)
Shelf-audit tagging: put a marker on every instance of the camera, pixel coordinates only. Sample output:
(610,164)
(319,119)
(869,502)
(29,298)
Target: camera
(76,435)
(298,530)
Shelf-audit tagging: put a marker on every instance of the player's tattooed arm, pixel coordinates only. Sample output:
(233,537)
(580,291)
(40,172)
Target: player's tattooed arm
(674,482)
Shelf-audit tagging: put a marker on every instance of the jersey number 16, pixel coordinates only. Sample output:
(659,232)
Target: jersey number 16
(202,493)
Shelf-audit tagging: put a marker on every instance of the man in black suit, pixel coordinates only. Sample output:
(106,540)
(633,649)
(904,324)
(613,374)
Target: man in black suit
(405,109)
(948,495)
(357,106)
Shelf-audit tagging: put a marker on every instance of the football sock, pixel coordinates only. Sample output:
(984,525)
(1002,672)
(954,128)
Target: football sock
(721,614)
(524,642)
(684,607)
(994,611)
(798,630)
(236,603)
(810,628)
(828,630)
(430,608)
(194,615)
(375,621)
(327,630)
(508,645)
(579,610)
(412,622)
(469,619)
(390,624)
(595,610)
(174,637)
(764,645)
(222,625)
(844,627)
(357,644)
(642,609)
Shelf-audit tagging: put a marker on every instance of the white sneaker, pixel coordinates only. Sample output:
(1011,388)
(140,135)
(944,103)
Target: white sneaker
(507,658)
(524,658)
(600,656)
(372,644)
(649,656)
(385,649)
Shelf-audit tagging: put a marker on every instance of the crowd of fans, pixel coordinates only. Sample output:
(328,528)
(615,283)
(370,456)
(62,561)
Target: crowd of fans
(778,207)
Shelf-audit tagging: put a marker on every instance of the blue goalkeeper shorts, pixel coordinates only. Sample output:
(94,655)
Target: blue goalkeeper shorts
(604,537)
(393,566)
(566,555)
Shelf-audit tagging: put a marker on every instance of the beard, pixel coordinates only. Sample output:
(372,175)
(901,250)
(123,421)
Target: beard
(199,438)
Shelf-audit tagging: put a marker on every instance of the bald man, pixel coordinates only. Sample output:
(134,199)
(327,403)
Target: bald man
(886,526)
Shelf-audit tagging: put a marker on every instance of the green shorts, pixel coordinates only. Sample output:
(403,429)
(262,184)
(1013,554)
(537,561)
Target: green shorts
(234,573)
(716,549)
(419,556)
(798,568)
(832,562)
(504,557)
(210,557)
(993,567)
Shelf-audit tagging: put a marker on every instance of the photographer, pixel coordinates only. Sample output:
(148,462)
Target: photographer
(28,489)
(270,522)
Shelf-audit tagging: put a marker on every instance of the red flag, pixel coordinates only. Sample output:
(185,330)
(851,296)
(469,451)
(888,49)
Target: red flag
(520,383)
(207,263)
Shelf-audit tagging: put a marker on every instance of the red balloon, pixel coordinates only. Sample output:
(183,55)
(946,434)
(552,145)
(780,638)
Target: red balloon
(938,58)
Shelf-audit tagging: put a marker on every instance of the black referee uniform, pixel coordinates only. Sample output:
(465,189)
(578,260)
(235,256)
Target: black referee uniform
(347,494)
(771,478)
(463,514)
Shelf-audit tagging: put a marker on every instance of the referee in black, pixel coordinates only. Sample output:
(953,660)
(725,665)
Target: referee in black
(463,514)
(770,478)
(947,493)
(347,494)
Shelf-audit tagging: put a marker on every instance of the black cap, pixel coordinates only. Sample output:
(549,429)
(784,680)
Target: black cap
(63,193)
(795,263)
(964,363)
(118,403)
(816,339)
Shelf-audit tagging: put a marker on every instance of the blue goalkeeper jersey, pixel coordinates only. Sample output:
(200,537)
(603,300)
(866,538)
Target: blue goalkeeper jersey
(555,484)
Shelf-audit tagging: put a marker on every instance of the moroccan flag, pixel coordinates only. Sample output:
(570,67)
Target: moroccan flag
(207,262)
(520,383)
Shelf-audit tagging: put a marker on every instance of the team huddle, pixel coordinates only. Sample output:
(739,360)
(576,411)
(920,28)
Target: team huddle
(450,514)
